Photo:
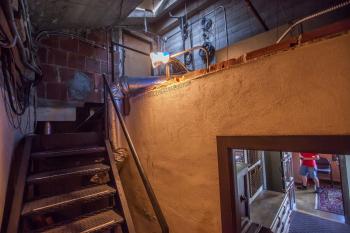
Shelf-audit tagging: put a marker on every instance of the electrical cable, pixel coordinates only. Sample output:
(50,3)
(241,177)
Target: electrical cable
(20,46)
(17,85)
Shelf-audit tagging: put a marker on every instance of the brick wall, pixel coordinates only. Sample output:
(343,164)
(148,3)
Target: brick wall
(62,57)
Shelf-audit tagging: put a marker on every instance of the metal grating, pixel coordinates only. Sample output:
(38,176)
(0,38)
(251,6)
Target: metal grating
(75,171)
(68,152)
(60,201)
(95,223)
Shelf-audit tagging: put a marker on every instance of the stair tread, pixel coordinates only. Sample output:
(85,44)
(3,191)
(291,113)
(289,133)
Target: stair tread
(59,201)
(56,174)
(91,224)
(68,152)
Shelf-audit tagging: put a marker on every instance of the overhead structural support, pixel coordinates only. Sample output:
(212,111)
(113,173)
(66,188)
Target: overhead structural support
(257,15)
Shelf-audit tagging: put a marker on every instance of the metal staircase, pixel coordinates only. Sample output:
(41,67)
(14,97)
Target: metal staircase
(59,190)
(69,183)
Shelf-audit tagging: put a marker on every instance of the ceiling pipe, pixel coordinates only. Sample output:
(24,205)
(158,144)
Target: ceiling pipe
(333,8)
(44,34)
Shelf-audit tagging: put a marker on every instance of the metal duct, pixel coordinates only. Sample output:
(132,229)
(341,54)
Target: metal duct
(137,84)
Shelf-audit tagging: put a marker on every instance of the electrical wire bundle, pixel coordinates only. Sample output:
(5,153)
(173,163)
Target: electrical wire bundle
(19,70)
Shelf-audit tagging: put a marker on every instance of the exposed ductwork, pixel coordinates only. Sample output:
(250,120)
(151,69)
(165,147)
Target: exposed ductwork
(132,85)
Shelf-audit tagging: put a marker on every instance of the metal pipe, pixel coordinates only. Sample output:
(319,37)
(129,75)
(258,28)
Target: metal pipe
(133,84)
(257,15)
(209,13)
(112,56)
(333,8)
(58,33)
(132,49)
(146,183)
(191,49)
(145,21)
(180,63)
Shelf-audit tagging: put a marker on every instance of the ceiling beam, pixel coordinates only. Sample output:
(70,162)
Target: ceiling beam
(256,14)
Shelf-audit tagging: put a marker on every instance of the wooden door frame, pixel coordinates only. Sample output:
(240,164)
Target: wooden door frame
(230,218)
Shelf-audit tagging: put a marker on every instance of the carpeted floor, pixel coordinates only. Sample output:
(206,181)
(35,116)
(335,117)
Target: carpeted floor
(305,223)
(331,200)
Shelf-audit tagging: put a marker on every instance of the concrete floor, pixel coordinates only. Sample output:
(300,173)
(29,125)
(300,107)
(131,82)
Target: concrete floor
(306,202)
(264,208)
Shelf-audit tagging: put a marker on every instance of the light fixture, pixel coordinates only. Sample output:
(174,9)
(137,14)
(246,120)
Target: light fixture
(163,58)
(159,58)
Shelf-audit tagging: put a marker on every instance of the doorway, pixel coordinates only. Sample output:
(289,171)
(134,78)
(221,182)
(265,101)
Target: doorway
(233,217)
(327,202)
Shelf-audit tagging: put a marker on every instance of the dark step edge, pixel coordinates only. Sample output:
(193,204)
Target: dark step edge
(68,152)
(91,216)
(68,202)
(45,176)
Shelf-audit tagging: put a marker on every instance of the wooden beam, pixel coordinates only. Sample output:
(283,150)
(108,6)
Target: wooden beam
(256,14)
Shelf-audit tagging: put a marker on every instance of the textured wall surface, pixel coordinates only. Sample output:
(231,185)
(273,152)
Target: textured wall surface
(242,23)
(304,91)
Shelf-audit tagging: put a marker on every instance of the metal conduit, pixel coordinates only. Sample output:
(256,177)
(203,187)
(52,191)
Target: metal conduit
(209,13)
(333,8)
(191,49)
(71,35)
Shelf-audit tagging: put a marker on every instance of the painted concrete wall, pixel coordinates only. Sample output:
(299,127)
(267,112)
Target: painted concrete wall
(8,140)
(304,91)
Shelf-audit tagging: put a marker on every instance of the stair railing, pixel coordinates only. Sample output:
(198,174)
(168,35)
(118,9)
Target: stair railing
(151,195)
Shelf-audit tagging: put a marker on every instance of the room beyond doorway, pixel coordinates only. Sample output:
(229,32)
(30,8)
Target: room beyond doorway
(235,204)
(328,203)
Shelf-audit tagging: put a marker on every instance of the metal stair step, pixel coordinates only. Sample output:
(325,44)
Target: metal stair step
(68,152)
(95,223)
(60,201)
(63,173)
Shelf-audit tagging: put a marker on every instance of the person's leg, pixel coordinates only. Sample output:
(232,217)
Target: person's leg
(303,172)
(313,175)
(304,178)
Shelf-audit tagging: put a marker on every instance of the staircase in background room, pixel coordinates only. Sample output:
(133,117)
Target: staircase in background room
(67,183)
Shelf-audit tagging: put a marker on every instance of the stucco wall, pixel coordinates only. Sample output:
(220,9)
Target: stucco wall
(304,91)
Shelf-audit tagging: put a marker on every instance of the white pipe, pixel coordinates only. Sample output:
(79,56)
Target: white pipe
(333,8)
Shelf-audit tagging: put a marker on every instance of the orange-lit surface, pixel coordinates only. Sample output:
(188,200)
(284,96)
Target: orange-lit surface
(302,91)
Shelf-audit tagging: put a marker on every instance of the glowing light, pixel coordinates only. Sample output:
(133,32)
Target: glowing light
(159,58)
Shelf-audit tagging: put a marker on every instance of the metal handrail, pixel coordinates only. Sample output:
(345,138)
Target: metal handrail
(155,204)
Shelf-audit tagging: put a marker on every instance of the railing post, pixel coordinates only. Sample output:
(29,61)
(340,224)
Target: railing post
(156,207)
(105,97)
